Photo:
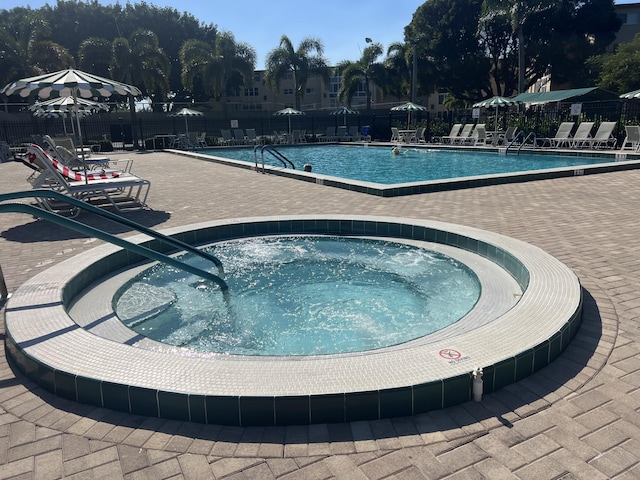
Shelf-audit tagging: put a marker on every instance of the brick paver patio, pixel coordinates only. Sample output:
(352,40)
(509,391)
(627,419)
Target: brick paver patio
(578,418)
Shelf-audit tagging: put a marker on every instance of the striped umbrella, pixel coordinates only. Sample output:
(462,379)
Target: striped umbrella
(69,83)
(186,112)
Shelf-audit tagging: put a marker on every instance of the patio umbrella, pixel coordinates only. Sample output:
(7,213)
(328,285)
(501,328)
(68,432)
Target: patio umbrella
(409,107)
(496,102)
(62,106)
(186,112)
(289,112)
(344,111)
(69,83)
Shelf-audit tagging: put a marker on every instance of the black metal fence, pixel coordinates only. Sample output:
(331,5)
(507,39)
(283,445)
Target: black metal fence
(117,131)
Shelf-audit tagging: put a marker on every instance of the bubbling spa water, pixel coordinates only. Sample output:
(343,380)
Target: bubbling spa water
(304,295)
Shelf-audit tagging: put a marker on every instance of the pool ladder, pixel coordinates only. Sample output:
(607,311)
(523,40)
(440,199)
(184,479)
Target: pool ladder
(107,237)
(531,135)
(275,153)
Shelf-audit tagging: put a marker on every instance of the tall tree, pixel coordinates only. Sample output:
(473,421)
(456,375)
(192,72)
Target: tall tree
(301,63)
(450,56)
(218,70)
(365,71)
(398,69)
(619,71)
(518,12)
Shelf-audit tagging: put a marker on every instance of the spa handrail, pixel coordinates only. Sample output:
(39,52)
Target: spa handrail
(107,237)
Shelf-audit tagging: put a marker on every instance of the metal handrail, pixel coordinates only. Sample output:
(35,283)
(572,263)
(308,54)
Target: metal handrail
(515,139)
(275,153)
(107,237)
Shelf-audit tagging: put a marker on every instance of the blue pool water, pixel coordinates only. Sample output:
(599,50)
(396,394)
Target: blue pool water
(303,296)
(379,165)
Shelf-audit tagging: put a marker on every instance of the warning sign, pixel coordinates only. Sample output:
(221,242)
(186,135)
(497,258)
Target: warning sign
(452,356)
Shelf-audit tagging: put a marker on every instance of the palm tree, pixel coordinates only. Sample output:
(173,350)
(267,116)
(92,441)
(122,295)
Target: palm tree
(366,70)
(398,70)
(219,69)
(518,12)
(26,53)
(140,61)
(300,63)
(94,56)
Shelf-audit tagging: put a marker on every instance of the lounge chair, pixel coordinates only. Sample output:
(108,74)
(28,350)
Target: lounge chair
(395,135)
(122,190)
(508,137)
(479,135)
(6,154)
(201,140)
(453,134)
(227,138)
(342,134)
(464,135)
(329,136)
(582,137)
(562,137)
(420,135)
(632,140)
(238,137)
(354,133)
(603,137)
(252,138)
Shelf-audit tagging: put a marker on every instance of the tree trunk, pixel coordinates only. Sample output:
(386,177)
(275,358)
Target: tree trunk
(521,66)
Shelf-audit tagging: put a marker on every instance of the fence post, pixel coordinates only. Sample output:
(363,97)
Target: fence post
(4,294)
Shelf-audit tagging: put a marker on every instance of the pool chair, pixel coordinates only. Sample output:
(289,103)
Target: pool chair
(342,134)
(464,135)
(479,135)
(395,135)
(238,137)
(508,136)
(420,135)
(453,134)
(632,140)
(603,137)
(561,138)
(582,137)
(227,138)
(63,150)
(252,138)
(119,189)
(329,135)
(354,133)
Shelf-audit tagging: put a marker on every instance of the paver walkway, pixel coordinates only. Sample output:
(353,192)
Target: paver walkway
(578,418)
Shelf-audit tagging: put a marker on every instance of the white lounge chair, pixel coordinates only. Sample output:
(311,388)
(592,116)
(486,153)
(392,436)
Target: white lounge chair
(453,134)
(603,137)
(561,138)
(395,135)
(252,138)
(120,189)
(463,136)
(329,136)
(632,140)
(582,137)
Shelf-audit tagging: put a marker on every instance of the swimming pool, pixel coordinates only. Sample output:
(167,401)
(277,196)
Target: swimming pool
(375,170)
(379,165)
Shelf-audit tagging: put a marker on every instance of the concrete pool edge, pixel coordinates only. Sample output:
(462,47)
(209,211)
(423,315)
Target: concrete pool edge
(53,351)
(623,161)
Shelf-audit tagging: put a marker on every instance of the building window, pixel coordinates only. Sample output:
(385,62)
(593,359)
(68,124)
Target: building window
(256,76)
(251,92)
(629,18)
(310,90)
(287,91)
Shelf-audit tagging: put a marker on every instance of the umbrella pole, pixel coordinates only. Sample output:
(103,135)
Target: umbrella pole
(186,126)
(75,109)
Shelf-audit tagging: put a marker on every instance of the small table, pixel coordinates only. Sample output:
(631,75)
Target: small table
(495,136)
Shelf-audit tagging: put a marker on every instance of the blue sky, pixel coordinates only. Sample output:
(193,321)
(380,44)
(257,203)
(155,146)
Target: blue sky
(341,25)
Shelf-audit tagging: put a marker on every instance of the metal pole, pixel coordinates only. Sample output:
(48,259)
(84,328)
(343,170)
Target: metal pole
(4,294)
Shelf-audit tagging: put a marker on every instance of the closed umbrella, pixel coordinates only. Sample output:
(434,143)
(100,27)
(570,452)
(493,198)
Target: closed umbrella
(69,83)
(289,112)
(409,107)
(344,111)
(186,112)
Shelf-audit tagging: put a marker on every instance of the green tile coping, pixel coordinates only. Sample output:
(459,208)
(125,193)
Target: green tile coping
(52,350)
